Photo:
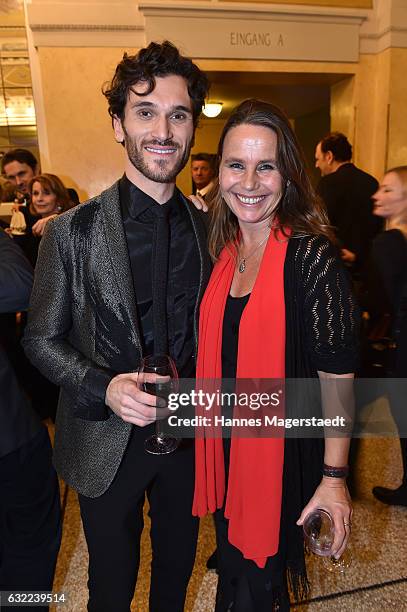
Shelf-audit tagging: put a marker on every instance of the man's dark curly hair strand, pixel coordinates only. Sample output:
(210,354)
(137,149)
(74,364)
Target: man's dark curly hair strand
(156,60)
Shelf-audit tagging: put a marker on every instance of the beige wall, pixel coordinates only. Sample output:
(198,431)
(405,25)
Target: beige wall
(359,110)
(82,148)
(370,109)
(334,3)
(11,20)
(397,149)
(81,145)
(343,107)
(369,106)
(380,100)
(76,140)
(371,102)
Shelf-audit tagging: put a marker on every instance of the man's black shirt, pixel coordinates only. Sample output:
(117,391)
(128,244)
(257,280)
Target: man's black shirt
(183,271)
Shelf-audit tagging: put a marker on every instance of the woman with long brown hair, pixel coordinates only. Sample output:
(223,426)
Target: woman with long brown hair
(278,306)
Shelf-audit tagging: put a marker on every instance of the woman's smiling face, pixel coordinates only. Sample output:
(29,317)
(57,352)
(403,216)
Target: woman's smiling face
(43,199)
(250,181)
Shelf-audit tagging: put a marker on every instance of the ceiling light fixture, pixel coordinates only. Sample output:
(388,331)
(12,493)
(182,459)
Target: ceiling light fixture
(212,109)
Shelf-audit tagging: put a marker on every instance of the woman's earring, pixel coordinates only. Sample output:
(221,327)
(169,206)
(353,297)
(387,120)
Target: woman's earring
(288,183)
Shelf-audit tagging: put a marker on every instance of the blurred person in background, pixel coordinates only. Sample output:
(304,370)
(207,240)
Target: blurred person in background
(48,199)
(202,173)
(389,295)
(30,521)
(19,166)
(347,194)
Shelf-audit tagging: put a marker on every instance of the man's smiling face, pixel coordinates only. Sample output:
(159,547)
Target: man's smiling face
(157,130)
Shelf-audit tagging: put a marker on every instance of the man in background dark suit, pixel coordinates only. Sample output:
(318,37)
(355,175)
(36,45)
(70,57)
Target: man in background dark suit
(30,524)
(347,193)
(118,278)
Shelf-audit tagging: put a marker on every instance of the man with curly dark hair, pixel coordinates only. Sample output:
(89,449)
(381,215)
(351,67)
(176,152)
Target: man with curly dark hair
(119,278)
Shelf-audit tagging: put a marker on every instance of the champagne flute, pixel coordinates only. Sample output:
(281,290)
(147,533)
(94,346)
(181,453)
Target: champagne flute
(319,534)
(166,382)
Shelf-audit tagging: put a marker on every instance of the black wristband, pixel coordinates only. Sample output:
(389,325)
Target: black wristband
(335,472)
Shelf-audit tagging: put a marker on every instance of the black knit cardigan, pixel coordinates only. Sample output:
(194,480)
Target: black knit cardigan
(322,321)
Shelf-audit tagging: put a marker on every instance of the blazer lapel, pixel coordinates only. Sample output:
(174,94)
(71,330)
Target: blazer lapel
(199,223)
(119,256)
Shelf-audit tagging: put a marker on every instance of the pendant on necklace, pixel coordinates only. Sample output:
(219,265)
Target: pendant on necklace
(242,266)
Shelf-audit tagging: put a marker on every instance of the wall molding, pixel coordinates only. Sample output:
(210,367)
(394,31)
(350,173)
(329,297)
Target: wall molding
(256,32)
(132,24)
(82,23)
(236,10)
(84,27)
(387,38)
(8,28)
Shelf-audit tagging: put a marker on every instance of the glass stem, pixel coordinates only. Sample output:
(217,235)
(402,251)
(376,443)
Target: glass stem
(159,429)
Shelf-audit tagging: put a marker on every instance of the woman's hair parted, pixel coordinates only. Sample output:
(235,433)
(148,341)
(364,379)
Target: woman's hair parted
(299,209)
(54,185)
(156,60)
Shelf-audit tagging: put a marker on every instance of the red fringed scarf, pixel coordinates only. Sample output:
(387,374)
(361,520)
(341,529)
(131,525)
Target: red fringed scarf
(253,501)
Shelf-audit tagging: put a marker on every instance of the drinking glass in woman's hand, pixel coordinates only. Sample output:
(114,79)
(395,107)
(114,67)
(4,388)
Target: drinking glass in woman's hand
(319,535)
(162,384)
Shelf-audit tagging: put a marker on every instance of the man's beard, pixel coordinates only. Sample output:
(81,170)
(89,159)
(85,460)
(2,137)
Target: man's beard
(160,173)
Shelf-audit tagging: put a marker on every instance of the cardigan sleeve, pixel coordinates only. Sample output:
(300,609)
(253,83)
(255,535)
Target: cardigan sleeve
(331,315)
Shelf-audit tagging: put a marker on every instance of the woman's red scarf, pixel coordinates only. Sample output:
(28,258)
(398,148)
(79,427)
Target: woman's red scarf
(254,492)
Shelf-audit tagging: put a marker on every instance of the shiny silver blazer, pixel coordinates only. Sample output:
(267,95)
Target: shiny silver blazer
(82,328)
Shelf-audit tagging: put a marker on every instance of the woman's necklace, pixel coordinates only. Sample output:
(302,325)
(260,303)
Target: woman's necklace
(242,260)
